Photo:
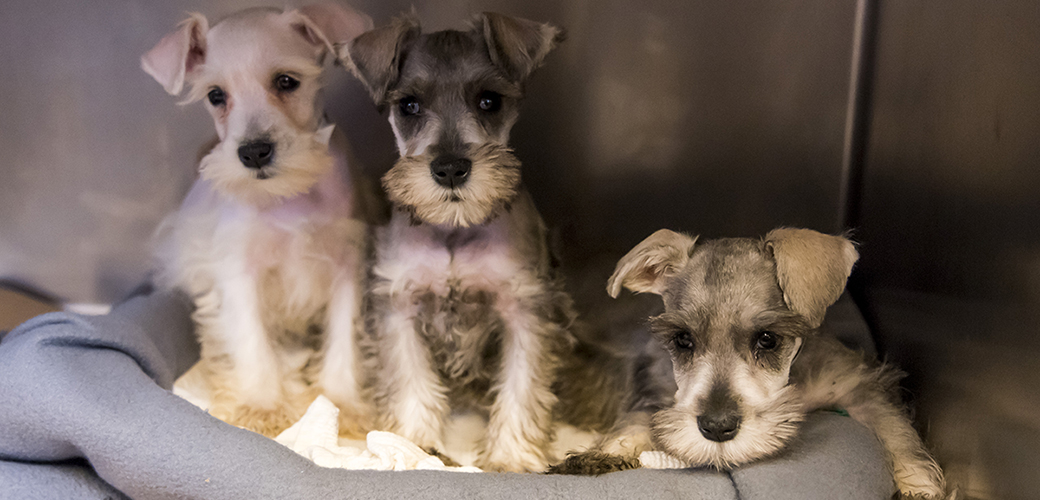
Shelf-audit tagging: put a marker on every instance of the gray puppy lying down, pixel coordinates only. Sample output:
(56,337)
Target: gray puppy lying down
(743,361)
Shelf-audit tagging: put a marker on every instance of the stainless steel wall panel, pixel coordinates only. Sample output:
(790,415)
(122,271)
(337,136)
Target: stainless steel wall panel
(951,230)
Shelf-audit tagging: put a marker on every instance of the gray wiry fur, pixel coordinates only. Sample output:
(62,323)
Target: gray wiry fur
(719,297)
(466,309)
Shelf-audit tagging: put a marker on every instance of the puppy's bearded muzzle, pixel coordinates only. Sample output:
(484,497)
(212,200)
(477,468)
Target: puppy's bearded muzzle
(721,439)
(458,191)
(262,170)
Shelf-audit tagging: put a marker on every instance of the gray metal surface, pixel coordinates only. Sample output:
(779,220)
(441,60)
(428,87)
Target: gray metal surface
(950,227)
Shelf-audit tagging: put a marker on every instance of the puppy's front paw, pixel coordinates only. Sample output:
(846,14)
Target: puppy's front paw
(269,422)
(593,463)
(919,480)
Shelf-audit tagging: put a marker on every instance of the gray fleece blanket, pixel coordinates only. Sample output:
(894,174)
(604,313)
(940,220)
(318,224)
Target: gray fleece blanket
(86,412)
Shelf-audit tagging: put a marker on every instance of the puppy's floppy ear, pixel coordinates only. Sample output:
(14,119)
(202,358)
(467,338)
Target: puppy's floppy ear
(642,268)
(178,54)
(518,46)
(375,56)
(811,268)
(327,24)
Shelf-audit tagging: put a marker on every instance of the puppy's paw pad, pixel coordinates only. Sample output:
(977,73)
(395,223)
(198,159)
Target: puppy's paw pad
(592,463)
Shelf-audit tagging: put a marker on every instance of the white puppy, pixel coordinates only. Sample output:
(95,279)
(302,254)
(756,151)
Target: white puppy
(270,241)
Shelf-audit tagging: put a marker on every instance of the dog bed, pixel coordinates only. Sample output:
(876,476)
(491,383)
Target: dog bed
(86,411)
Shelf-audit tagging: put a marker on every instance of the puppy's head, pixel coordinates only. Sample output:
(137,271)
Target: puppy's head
(259,73)
(736,313)
(452,98)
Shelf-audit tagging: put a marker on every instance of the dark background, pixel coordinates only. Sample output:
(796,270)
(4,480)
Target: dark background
(914,123)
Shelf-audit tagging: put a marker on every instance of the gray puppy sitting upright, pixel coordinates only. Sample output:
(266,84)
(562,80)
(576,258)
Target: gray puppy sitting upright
(466,310)
(743,359)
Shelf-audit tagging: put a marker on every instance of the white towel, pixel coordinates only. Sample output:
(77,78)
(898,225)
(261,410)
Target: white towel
(316,437)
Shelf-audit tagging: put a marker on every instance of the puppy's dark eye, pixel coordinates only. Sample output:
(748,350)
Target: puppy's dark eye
(766,341)
(409,106)
(489,101)
(286,83)
(683,340)
(217,97)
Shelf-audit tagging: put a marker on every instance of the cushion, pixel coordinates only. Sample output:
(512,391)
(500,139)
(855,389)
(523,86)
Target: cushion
(87,412)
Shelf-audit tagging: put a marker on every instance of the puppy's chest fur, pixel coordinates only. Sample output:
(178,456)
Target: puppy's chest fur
(454,279)
(292,253)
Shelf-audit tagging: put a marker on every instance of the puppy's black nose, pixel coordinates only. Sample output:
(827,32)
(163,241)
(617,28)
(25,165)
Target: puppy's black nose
(256,154)
(450,171)
(719,427)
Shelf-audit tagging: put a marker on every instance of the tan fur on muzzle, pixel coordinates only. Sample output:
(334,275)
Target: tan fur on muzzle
(494,182)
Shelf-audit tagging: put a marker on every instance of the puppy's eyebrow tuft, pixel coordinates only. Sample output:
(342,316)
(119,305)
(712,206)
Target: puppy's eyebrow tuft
(670,322)
(296,66)
(781,322)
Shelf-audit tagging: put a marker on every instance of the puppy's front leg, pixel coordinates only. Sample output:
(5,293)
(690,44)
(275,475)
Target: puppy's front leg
(519,428)
(340,377)
(832,375)
(251,395)
(415,400)
(915,471)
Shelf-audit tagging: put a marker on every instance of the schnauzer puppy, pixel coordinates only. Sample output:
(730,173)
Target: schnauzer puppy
(466,309)
(747,360)
(271,240)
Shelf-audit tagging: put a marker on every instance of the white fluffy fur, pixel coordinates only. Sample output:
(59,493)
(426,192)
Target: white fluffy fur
(275,256)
